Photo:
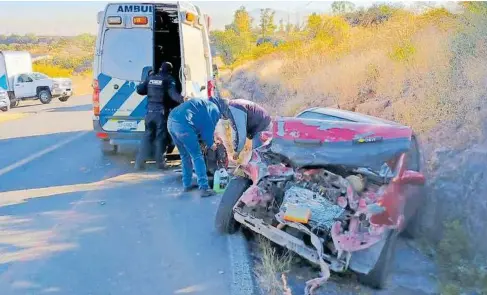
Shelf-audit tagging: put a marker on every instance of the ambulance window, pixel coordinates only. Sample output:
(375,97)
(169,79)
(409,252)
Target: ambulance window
(126,52)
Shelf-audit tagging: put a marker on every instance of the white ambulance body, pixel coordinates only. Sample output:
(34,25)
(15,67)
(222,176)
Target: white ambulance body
(132,39)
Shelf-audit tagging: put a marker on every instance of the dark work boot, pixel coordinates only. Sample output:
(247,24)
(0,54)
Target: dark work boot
(139,165)
(162,165)
(190,188)
(205,193)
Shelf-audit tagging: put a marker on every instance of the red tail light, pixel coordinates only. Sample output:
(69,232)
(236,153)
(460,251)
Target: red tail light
(102,135)
(96,98)
(211,88)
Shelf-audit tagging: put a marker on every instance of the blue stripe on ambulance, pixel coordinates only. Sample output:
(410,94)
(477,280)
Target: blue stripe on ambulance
(3,82)
(118,98)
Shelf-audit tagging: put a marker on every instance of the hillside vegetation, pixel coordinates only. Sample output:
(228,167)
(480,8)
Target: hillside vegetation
(64,56)
(427,70)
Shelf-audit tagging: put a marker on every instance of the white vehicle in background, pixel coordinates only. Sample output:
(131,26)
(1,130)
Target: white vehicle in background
(21,83)
(134,38)
(4,101)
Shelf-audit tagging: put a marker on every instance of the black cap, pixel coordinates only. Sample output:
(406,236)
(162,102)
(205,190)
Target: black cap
(166,68)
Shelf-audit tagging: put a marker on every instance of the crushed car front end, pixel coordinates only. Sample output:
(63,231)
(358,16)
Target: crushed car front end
(331,192)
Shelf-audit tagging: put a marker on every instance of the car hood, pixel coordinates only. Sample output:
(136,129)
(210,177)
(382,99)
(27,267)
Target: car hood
(308,142)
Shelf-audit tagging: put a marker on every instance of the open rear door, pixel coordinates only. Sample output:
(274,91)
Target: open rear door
(194,73)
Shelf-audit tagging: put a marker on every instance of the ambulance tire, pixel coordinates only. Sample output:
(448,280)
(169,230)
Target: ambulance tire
(44,96)
(107,149)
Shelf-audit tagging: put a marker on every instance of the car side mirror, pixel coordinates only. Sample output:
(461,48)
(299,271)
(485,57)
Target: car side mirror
(412,177)
(145,73)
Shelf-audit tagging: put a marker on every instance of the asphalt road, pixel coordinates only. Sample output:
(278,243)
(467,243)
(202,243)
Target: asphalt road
(75,222)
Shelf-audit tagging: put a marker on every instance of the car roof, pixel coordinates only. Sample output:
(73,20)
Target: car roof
(348,115)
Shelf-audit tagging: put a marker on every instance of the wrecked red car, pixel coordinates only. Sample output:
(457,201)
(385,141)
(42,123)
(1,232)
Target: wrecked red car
(333,186)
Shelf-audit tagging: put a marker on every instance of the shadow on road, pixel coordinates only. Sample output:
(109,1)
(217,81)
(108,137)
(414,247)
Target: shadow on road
(78,108)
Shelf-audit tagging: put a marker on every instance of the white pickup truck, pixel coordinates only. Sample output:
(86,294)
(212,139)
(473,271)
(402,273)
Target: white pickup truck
(21,83)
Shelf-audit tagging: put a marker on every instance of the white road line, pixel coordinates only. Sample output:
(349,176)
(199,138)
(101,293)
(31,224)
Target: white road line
(242,282)
(40,153)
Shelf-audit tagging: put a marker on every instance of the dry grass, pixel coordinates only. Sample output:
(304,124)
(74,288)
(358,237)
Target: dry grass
(82,84)
(271,272)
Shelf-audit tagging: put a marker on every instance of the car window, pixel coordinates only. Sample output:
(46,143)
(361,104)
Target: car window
(24,78)
(319,116)
(39,76)
(126,60)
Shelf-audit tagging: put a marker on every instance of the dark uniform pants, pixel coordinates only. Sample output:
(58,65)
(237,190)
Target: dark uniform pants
(155,133)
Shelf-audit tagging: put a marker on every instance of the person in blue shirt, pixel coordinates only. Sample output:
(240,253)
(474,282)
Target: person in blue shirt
(193,121)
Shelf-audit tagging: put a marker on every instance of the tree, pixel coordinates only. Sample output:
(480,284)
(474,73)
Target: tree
(342,7)
(267,26)
(242,22)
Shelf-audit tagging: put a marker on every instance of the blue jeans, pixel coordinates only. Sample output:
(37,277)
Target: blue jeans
(186,140)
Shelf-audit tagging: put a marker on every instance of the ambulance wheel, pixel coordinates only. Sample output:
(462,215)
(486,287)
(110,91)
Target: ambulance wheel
(108,149)
(44,96)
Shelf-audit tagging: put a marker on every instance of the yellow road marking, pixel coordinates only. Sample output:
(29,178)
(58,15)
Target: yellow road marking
(11,116)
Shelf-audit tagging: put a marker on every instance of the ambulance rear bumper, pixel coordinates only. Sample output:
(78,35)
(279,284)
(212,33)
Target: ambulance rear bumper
(117,138)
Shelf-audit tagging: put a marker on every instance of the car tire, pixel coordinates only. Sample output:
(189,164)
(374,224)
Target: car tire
(108,149)
(44,96)
(377,277)
(63,98)
(5,109)
(224,221)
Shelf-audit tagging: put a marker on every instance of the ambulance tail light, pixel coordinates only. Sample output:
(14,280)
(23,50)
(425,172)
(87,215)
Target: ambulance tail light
(211,88)
(140,20)
(96,98)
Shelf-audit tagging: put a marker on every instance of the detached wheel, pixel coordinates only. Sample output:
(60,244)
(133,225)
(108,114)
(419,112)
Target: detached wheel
(377,277)
(224,221)
(108,149)
(44,96)
(64,98)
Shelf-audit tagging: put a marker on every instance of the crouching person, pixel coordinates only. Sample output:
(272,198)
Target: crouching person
(248,120)
(190,122)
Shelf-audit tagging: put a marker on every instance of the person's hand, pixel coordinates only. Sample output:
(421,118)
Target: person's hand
(235,156)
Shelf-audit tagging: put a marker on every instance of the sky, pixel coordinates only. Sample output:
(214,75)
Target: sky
(76,17)
(68,18)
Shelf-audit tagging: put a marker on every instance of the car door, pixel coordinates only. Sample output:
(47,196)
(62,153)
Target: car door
(23,85)
(194,67)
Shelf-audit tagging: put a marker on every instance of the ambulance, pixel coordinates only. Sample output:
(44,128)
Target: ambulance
(133,39)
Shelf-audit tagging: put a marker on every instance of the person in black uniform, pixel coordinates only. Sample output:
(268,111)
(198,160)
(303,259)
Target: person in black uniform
(162,96)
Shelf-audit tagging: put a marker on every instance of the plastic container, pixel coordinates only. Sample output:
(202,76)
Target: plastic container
(220,180)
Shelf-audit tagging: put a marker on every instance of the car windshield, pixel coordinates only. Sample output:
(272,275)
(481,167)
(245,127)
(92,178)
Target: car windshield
(39,76)
(319,116)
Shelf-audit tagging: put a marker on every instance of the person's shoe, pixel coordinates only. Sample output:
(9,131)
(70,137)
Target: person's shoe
(139,166)
(190,188)
(205,193)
